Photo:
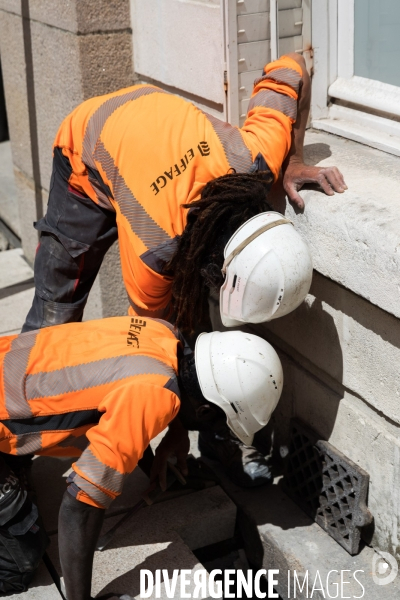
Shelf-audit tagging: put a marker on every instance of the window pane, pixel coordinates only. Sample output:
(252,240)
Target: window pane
(377,40)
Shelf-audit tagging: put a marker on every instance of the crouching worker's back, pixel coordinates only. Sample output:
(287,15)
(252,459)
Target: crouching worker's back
(101,391)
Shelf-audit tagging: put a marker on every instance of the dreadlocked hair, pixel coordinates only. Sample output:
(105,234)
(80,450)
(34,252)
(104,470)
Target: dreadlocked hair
(225,204)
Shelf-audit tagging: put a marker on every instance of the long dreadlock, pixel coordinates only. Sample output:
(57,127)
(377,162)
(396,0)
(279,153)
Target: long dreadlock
(225,204)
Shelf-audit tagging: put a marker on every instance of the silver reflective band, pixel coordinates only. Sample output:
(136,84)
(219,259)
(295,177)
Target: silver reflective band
(249,239)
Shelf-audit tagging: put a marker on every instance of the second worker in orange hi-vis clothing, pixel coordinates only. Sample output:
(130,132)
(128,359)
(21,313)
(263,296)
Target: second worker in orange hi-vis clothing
(101,391)
(172,183)
(130,164)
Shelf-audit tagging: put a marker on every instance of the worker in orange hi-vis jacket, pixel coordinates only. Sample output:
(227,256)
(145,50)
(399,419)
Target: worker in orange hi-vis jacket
(100,391)
(172,183)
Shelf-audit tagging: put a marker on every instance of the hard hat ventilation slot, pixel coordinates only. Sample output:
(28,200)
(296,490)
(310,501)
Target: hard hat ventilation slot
(234,282)
(328,486)
(234,408)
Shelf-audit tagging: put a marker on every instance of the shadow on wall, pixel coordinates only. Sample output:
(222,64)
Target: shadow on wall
(3,114)
(313,155)
(305,396)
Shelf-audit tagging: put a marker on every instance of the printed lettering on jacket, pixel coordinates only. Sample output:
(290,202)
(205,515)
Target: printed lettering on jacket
(135,329)
(179,168)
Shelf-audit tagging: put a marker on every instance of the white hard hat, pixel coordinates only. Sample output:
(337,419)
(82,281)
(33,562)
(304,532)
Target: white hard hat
(242,374)
(268,270)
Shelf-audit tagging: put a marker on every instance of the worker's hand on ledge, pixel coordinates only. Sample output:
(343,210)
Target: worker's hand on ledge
(174,443)
(297,174)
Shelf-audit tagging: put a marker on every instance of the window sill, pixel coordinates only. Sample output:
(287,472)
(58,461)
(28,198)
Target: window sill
(374,131)
(368,92)
(355,237)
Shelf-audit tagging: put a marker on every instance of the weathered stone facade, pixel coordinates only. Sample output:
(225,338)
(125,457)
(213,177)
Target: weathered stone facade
(340,348)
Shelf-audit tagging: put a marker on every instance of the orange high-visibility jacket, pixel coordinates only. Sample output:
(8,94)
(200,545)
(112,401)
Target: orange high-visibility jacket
(108,386)
(142,153)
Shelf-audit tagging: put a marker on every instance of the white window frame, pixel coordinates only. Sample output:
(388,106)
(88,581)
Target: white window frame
(333,43)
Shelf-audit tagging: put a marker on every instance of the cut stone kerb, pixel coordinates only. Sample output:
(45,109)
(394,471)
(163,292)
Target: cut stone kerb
(328,486)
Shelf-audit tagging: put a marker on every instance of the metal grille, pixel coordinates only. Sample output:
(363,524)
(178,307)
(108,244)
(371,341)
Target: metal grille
(328,486)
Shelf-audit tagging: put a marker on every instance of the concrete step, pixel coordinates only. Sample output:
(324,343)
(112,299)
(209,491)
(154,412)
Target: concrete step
(49,477)
(13,268)
(279,535)
(16,290)
(41,588)
(161,536)
(8,191)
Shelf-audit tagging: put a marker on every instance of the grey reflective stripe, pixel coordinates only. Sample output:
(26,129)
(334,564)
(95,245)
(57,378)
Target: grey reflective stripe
(100,474)
(157,257)
(29,443)
(95,126)
(94,374)
(92,491)
(158,313)
(285,76)
(237,153)
(270,99)
(99,117)
(172,385)
(102,199)
(140,221)
(14,368)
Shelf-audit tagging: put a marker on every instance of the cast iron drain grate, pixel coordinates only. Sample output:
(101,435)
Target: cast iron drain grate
(328,486)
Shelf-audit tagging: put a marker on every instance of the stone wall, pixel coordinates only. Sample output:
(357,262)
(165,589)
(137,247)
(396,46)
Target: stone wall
(56,54)
(340,349)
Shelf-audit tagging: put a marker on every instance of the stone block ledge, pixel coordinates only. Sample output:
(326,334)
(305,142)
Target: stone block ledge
(355,236)
(279,535)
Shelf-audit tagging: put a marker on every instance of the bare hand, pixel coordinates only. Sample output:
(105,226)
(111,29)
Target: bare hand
(174,443)
(296,175)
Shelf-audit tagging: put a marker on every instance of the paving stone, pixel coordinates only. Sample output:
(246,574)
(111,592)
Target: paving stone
(117,570)
(8,192)
(49,476)
(41,588)
(161,537)
(13,311)
(279,535)
(13,268)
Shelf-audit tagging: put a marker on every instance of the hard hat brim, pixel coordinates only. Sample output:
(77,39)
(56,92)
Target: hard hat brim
(240,433)
(209,389)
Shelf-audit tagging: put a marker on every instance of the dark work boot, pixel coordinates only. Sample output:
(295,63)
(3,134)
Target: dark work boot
(244,465)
